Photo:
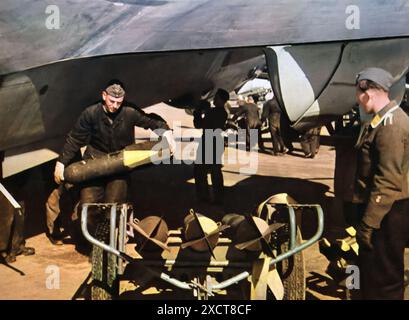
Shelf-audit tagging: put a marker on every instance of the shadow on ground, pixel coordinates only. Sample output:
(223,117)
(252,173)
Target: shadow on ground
(325,286)
(170,193)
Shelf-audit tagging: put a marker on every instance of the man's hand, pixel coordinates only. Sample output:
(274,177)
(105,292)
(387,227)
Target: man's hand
(171,141)
(59,172)
(364,235)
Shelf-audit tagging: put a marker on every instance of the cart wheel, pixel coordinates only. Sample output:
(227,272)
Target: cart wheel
(105,284)
(292,271)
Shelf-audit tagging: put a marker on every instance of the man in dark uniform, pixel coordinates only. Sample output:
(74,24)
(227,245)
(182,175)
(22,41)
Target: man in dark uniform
(249,112)
(272,113)
(211,148)
(106,127)
(381,188)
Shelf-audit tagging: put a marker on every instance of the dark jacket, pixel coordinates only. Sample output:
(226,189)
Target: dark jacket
(383,160)
(214,118)
(103,134)
(272,112)
(250,112)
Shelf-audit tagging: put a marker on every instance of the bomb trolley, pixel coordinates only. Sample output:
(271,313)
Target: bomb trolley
(221,274)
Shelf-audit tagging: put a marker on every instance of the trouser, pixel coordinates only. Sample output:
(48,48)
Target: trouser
(259,137)
(12,238)
(18,241)
(382,269)
(60,198)
(317,141)
(277,140)
(105,190)
(202,187)
(308,144)
(352,213)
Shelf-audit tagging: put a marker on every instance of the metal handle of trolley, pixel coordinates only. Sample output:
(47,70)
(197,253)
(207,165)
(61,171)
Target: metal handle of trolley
(294,248)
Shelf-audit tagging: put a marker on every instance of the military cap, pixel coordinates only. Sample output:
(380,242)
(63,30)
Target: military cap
(377,75)
(115,90)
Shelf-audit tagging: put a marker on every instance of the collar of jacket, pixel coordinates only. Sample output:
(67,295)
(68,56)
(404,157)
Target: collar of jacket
(118,118)
(383,113)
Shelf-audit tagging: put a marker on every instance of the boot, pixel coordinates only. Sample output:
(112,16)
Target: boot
(18,243)
(25,251)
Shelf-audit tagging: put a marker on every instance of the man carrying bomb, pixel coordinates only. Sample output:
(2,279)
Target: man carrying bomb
(381,188)
(104,128)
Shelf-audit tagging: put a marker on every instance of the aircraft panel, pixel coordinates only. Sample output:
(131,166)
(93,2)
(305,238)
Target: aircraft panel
(98,27)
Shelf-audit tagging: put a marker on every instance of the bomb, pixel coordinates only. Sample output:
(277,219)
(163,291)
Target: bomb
(153,232)
(249,232)
(201,233)
(122,161)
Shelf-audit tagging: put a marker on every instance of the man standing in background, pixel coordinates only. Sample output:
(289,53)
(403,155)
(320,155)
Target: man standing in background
(211,148)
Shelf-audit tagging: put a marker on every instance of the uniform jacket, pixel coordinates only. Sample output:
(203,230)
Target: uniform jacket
(383,160)
(272,112)
(95,129)
(250,112)
(214,118)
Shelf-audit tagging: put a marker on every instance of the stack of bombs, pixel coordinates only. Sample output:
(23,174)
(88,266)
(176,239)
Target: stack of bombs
(202,234)
(340,253)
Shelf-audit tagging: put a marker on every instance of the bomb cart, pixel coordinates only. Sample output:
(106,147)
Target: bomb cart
(257,256)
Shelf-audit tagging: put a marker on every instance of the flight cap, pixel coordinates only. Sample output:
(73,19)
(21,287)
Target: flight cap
(377,75)
(115,90)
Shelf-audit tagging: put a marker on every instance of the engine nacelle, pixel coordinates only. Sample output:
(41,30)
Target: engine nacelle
(315,83)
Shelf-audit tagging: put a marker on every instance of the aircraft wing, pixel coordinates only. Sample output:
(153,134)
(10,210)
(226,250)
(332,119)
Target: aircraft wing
(179,51)
(102,27)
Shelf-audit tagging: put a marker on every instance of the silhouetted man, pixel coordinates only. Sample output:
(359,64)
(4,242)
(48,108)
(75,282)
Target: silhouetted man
(211,148)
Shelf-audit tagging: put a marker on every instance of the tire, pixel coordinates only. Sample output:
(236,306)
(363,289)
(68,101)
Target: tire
(291,270)
(105,283)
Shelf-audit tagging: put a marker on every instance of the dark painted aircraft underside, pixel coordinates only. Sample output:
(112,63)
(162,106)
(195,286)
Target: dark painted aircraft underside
(179,52)
(99,27)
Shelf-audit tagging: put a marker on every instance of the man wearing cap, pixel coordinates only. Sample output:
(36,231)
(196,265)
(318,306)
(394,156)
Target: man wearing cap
(381,188)
(106,127)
